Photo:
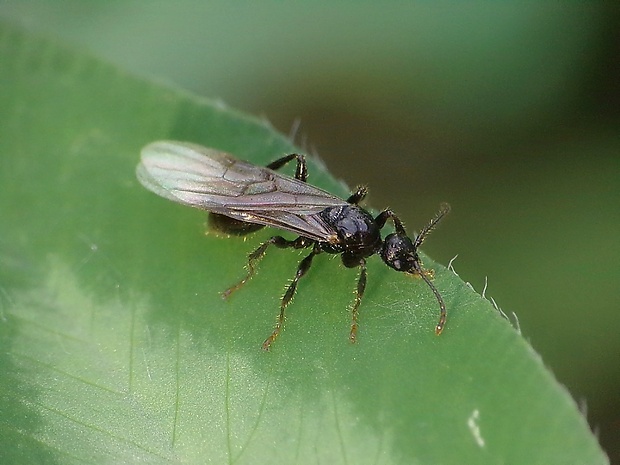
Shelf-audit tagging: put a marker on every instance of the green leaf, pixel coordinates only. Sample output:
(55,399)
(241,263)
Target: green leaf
(116,347)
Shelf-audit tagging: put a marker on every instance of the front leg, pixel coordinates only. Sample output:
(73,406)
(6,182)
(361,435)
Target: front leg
(398,225)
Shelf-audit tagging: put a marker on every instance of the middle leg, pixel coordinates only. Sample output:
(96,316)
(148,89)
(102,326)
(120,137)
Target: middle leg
(358,195)
(359,292)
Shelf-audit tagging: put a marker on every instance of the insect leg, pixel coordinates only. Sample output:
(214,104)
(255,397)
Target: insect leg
(302,269)
(358,196)
(301,172)
(444,209)
(361,286)
(383,217)
(255,256)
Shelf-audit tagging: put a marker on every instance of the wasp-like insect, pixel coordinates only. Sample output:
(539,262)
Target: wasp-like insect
(242,198)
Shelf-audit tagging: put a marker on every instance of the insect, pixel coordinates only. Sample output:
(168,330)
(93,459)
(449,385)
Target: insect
(241,198)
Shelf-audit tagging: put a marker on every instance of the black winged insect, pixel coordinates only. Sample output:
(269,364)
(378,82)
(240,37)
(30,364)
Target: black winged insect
(241,198)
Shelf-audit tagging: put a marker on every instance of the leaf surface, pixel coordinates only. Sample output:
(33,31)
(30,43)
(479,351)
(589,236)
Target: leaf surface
(116,347)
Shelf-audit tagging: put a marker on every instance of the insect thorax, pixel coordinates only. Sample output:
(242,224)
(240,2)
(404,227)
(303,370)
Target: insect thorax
(358,234)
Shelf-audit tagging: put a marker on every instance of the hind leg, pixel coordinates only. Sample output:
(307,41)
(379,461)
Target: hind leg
(302,269)
(254,257)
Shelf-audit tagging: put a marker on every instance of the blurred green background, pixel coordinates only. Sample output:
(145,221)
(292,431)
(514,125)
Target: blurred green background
(510,112)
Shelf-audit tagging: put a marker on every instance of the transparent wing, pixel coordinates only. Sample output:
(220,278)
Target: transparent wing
(217,182)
